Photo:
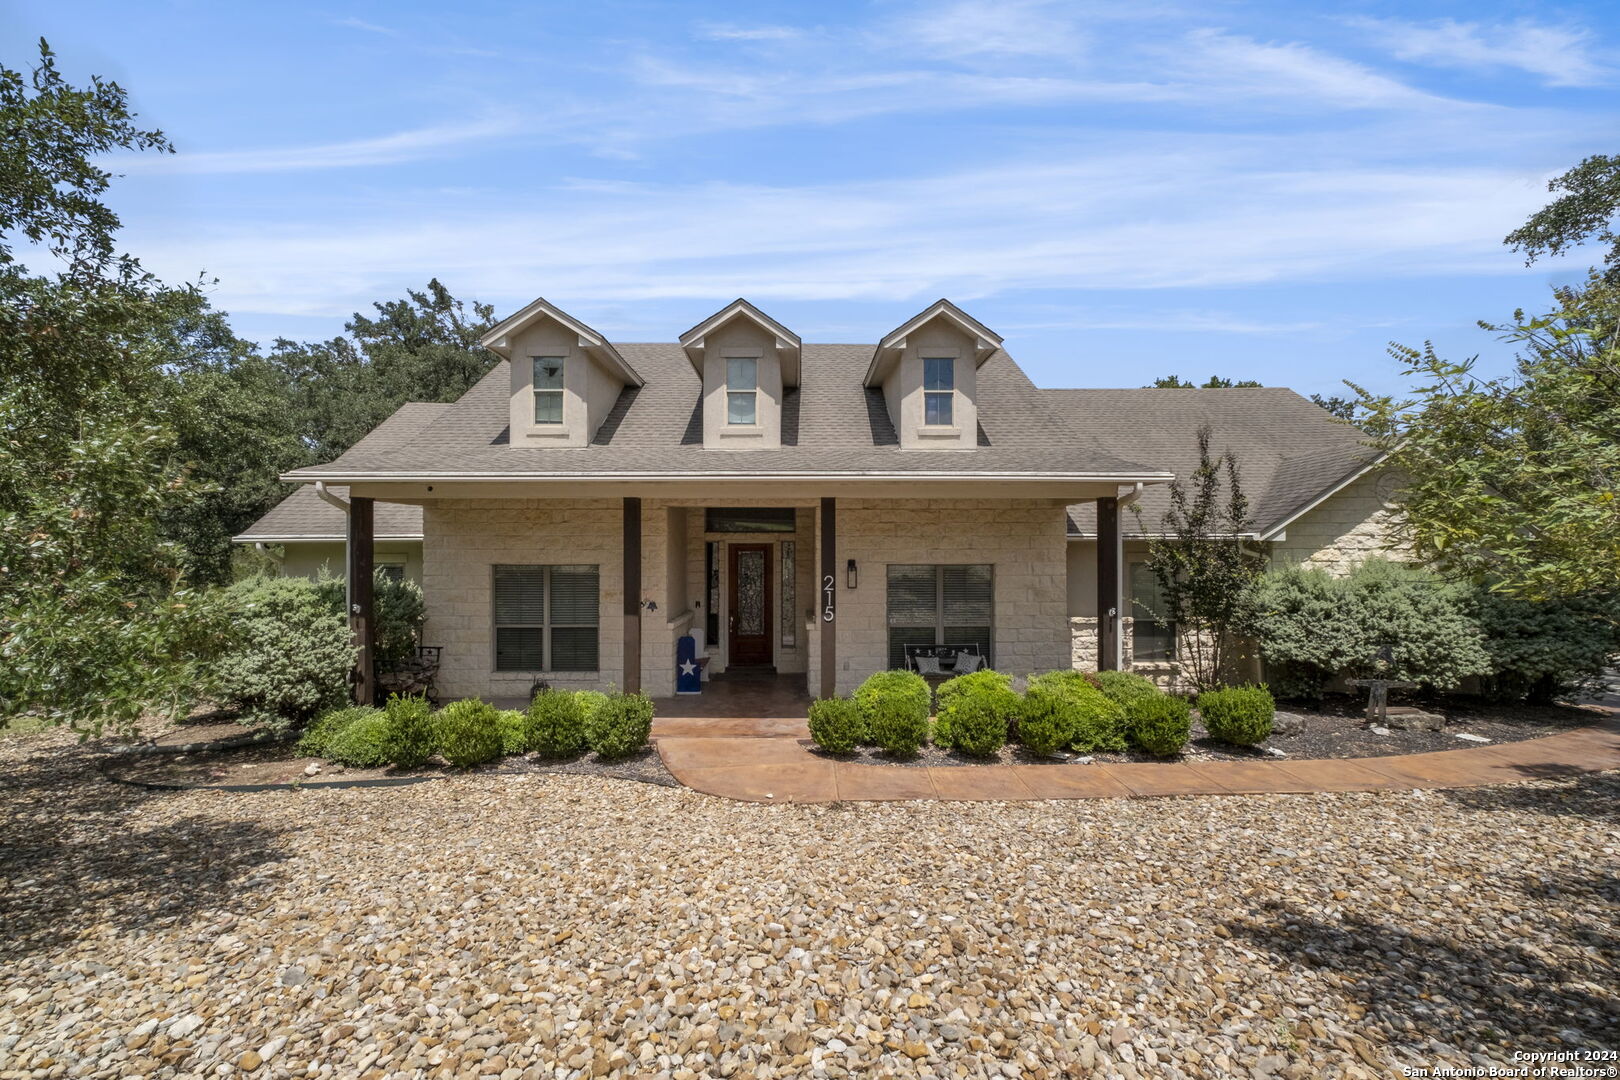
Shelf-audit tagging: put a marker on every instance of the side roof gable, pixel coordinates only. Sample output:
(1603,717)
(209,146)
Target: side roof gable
(985,340)
(499,338)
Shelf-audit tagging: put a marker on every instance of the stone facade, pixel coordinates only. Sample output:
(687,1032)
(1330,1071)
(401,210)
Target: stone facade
(1345,531)
(465,538)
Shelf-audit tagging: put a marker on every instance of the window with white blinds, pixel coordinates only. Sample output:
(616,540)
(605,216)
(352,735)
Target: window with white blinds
(546,617)
(939,605)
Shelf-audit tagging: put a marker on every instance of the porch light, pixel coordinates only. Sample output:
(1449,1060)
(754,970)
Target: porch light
(851,574)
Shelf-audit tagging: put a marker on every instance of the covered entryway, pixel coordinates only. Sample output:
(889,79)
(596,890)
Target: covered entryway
(741,694)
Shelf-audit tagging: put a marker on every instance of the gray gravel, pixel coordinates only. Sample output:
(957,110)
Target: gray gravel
(542,925)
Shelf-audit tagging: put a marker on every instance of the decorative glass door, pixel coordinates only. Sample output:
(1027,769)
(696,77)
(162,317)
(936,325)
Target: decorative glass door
(749,622)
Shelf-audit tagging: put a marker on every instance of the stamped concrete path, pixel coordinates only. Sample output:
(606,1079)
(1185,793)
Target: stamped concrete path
(771,761)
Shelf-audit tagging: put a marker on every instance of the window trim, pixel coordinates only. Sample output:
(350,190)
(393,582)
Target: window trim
(949,395)
(545,626)
(753,394)
(561,392)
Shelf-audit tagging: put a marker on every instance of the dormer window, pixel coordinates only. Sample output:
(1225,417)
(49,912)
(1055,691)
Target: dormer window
(939,390)
(742,390)
(548,389)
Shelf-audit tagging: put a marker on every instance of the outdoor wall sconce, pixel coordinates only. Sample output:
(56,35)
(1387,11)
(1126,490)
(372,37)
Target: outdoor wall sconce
(851,574)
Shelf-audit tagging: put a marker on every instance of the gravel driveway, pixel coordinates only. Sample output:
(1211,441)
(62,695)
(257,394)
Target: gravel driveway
(525,926)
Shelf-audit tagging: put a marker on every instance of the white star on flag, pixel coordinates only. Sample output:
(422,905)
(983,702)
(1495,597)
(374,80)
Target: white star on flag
(688,667)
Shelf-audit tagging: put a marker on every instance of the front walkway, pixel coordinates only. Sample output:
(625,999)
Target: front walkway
(772,761)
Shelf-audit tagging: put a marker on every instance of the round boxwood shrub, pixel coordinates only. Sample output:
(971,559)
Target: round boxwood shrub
(513,724)
(411,738)
(287,656)
(1045,723)
(894,710)
(984,700)
(325,727)
(469,733)
(621,725)
(976,726)
(1160,724)
(555,727)
(1126,687)
(835,725)
(589,702)
(363,742)
(1240,715)
(1098,722)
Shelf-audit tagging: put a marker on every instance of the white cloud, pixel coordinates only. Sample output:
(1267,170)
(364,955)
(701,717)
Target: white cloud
(380,150)
(360,24)
(726,32)
(996,28)
(1560,55)
(1231,65)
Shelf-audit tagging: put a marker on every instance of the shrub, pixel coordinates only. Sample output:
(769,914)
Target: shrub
(589,702)
(362,742)
(1126,687)
(469,733)
(555,726)
(411,738)
(397,609)
(320,733)
(287,655)
(1159,725)
(1539,650)
(974,712)
(1045,723)
(513,724)
(1240,715)
(1097,722)
(894,710)
(835,724)
(621,725)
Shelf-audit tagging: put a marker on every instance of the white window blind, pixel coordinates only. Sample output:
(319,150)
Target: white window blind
(546,617)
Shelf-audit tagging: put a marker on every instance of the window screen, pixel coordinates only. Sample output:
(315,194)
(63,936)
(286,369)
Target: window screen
(546,618)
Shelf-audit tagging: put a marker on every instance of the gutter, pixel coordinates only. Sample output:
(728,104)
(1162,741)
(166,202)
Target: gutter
(1140,479)
(336,500)
(264,549)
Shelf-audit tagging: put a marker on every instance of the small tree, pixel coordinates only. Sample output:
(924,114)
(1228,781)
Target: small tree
(1204,577)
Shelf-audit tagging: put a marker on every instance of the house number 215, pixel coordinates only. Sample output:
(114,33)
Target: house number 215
(827,590)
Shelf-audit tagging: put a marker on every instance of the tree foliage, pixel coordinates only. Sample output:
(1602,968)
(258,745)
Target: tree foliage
(1203,573)
(1586,210)
(1513,481)
(1215,382)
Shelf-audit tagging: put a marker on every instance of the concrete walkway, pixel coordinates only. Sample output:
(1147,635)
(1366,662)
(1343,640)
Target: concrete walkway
(771,761)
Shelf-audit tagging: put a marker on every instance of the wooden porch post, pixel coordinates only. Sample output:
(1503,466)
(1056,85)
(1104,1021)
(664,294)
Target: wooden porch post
(1108,578)
(632,595)
(362,624)
(829,597)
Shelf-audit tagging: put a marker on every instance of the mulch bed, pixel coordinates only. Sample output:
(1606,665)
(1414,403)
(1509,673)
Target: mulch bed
(1335,730)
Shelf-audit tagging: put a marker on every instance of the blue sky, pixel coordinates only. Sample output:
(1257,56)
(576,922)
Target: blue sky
(1269,191)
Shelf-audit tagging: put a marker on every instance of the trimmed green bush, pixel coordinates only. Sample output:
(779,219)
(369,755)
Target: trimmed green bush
(411,738)
(621,725)
(974,712)
(287,655)
(1097,721)
(1159,725)
(396,606)
(363,742)
(469,733)
(589,702)
(324,728)
(555,727)
(835,725)
(1045,723)
(1541,650)
(894,710)
(1126,687)
(512,723)
(1240,715)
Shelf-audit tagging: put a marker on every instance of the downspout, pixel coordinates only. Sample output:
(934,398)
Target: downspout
(264,549)
(343,505)
(1118,629)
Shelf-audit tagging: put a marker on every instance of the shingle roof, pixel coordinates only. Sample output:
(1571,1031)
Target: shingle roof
(1289,450)
(830,425)
(304,515)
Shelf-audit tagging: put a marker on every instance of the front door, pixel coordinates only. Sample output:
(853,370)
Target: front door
(750,595)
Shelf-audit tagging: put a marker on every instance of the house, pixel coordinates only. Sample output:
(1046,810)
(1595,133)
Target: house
(821,510)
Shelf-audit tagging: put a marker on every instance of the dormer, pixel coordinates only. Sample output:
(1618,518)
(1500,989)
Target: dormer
(927,368)
(747,360)
(565,376)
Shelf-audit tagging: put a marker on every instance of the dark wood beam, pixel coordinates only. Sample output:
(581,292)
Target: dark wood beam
(362,620)
(632,595)
(1108,592)
(828,608)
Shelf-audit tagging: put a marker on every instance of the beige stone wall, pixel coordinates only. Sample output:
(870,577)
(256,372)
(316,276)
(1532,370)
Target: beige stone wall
(1023,539)
(465,538)
(1345,531)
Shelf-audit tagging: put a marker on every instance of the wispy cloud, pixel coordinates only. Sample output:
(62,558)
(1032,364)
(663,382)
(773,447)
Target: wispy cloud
(727,32)
(993,28)
(360,24)
(1560,55)
(413,145)
(1232,65)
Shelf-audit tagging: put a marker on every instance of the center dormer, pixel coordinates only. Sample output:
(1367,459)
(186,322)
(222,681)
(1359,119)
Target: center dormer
(928,368)
(747,361)
(565,376)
